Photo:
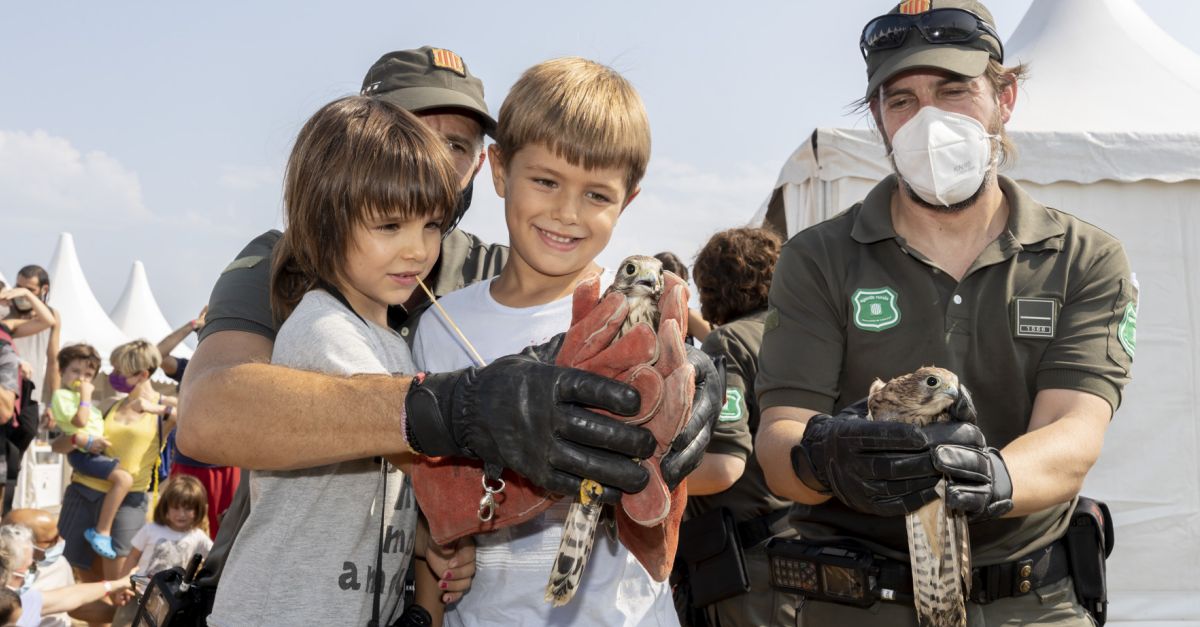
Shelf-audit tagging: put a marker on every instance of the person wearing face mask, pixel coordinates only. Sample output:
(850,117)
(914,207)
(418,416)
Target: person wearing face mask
(134,429)
(20,572)
(53,572)
(945,263)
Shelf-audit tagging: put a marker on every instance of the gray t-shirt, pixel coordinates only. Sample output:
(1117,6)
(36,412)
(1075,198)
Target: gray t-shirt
(306,555)
(9,365)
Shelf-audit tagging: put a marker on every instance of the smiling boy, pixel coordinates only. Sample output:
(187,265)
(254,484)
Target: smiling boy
(572,145)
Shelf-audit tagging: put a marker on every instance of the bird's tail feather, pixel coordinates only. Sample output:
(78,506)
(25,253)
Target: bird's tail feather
(936,555)
(574,549)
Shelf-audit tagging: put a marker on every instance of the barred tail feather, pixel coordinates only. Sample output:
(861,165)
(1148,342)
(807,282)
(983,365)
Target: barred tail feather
(573,552)
(935,554)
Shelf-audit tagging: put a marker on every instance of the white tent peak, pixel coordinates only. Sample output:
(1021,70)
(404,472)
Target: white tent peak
(137,313)
(83,319)
(1102,66)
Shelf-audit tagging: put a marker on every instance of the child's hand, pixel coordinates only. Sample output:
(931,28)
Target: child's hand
(99,443)
(454,566)
(86,389)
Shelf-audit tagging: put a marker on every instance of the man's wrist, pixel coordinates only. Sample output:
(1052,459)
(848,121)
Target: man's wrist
(803,466)
(425,422)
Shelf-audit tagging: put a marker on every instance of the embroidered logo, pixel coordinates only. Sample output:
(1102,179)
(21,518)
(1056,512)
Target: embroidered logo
(734,409)
(875,309)
(913,7)
(1127,330)
(1035,317)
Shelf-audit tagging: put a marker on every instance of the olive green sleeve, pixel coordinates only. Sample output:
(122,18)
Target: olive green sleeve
(1095,341)
(805,334)
(241,299)
(731,435)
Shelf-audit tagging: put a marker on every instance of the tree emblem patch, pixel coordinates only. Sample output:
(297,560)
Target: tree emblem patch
(735,407)
(875,309)
(1127,330)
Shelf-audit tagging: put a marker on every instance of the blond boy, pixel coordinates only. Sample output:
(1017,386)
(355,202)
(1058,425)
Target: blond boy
(571,147)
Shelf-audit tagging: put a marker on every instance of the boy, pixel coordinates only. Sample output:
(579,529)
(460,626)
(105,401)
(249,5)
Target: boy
(571,146)
(71,408)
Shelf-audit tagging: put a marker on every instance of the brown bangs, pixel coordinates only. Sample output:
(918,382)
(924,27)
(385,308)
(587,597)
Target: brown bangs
(356,160)
(583,111)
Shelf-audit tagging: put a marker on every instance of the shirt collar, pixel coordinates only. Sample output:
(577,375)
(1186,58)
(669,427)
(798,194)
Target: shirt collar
(1030,223)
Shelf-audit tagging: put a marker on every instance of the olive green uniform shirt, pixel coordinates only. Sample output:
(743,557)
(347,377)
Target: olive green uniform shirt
(241,299)
(1049,304)
(738,341)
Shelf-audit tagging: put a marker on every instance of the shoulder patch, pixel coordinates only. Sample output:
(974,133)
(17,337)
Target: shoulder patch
(771,320)
(735,406)
(875,309)
(242,263)
(1127,329)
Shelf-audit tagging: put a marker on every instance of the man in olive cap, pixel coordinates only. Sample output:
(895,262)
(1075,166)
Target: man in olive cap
(947,263)
(524,413)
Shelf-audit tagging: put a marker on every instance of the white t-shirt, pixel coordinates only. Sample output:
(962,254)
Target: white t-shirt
(162,547)
(513,564)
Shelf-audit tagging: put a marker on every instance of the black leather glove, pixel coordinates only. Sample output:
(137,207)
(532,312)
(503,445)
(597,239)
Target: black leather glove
(687,449)
(520,413)
(977,481)
(880,468)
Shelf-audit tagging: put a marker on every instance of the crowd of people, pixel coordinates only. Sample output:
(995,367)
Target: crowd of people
(379,397)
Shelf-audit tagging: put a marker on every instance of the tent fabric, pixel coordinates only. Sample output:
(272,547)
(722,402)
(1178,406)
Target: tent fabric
(1105,128)
(83,319)
(137,313)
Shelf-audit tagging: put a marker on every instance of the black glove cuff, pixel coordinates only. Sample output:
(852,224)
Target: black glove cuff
(1002,487)
(427,427)
(802,465)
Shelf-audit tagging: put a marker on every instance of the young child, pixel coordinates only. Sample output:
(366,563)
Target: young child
(10,607)
(72,410)
(178,532)
(572,144)
(369,190)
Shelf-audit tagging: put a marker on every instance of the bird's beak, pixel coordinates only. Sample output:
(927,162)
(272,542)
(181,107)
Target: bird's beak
(647,279)
(952,392)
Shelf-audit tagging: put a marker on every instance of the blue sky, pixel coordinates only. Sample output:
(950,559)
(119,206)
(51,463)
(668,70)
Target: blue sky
(158,131)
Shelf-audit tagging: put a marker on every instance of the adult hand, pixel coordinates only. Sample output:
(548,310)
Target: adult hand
(687,449)
(977,481)
(98,444)
(520,413)
(880,468)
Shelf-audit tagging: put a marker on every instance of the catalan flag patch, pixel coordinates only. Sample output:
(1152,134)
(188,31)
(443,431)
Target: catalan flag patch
(447,60)
(913,7)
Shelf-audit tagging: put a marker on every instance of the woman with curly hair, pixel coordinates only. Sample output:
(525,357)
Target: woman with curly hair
(733,273)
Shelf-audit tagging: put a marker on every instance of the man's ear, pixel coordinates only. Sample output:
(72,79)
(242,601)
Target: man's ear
(498,167)
(1007,100)
(630,197)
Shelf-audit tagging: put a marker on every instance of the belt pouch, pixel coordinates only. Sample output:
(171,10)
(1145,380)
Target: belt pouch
(1089,541)
(712,554)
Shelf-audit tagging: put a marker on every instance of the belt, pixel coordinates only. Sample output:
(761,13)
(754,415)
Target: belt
(990,583)
(754,531)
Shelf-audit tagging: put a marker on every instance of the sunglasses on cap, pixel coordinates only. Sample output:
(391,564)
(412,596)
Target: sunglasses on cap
(939,26)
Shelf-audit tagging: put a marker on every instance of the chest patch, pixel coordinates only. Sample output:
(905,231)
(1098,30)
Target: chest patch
(735,406)
(1034,317)
(875,309)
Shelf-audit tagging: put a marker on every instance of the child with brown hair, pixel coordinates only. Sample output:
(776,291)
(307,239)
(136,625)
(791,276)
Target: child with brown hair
(369,190)
(179,530)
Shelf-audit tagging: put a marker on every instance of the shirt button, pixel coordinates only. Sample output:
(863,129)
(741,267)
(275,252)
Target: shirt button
(936,271)
(957,299)
(404,330)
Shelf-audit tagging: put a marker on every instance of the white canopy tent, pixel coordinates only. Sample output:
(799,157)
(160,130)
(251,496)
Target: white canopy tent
(137,313)
(1106,128)
(83,319)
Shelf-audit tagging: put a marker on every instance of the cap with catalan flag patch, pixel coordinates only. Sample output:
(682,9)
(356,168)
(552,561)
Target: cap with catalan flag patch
(965,56)
(428,78)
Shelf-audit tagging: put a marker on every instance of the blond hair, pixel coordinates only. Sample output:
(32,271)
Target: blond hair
(585,112)
(133,357)
(356,159)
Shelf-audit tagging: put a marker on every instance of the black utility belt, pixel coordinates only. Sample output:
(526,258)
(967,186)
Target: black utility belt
(848,573)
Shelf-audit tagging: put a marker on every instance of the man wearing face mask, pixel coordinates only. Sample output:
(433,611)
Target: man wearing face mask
(947,263)
(53,572)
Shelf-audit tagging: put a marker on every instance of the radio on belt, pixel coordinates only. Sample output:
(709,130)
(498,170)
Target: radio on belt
(841,574)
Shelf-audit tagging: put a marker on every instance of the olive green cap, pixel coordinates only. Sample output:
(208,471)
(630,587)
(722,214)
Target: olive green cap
(428,78)
(968,59)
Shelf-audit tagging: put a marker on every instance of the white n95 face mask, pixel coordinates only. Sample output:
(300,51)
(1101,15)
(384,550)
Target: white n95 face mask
(943,156)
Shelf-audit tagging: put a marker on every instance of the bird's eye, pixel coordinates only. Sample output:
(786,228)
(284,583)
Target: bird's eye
(629,269)
(932,382)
